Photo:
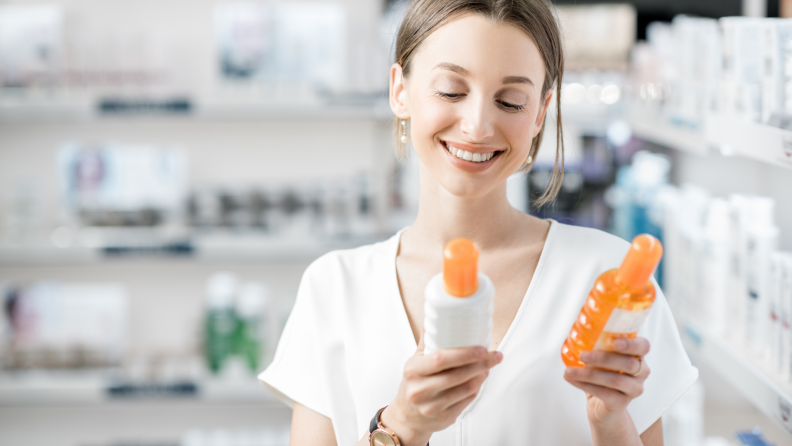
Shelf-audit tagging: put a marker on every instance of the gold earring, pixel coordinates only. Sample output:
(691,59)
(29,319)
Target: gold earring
(404,138)
(529,160)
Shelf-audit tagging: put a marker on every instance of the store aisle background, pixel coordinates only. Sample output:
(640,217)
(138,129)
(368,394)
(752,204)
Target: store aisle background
(147,146)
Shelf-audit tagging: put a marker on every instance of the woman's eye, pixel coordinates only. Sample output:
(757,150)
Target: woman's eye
(449,95)
(511,106)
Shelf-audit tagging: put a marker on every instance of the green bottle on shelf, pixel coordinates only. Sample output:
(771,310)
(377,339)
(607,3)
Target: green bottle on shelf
(220,323)
(250,328)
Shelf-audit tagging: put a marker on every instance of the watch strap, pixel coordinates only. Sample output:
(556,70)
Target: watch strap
(375,422)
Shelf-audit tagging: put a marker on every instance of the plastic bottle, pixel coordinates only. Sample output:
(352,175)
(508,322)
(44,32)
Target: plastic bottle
(740,214)
(221,289)
(761,240)
(618,303)
(459,301)
(715,266)
(251,325)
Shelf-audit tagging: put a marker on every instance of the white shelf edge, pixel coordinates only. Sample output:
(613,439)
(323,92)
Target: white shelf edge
(92,390)
(664,133)
(750,140)
(244,249)
(748,376)
(85,112)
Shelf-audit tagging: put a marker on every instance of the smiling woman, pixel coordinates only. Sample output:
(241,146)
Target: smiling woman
(474,79)
(534,19)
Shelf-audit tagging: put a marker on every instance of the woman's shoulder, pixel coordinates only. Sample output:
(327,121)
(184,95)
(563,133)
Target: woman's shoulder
(584,244)
(353,263)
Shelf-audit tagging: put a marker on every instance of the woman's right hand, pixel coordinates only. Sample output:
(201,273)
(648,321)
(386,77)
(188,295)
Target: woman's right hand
(434,390)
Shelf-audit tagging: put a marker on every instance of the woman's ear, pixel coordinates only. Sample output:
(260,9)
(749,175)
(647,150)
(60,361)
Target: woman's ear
(398,92)
(542,112)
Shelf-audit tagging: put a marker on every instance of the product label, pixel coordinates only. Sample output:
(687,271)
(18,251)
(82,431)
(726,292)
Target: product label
(625,321)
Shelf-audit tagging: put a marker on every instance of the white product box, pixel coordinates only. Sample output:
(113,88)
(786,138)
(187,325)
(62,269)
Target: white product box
(777,36)
(743,57)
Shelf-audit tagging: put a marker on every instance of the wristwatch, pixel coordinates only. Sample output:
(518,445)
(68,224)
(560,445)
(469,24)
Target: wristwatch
(380,435)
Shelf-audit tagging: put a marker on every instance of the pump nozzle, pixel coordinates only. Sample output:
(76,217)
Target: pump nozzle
(640,261)
(460,267)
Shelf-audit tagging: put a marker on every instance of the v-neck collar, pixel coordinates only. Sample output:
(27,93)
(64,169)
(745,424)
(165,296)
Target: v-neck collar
(403,325)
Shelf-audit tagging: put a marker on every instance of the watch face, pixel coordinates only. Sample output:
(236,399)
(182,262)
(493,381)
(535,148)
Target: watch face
(380,438)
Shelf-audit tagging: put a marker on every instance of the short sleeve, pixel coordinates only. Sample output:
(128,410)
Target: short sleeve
(295,373)
(671,370)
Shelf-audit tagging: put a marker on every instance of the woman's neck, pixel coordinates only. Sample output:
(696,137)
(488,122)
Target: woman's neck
(489,219)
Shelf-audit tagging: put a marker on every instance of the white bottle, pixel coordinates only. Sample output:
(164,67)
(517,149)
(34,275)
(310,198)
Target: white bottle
(715,266)
(740,213)
(459,301)
(761,240)
(785,296)
(776,309)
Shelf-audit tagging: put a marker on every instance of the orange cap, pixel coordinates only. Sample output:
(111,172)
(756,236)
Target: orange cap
(640,262)
(460,267)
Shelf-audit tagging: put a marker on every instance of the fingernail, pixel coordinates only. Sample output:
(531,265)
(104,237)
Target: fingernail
(571,371)
(481,351)
(620,344)
(498,356)
(585,356)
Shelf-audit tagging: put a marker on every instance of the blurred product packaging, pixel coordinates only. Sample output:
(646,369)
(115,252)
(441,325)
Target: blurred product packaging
(235,322)
(55,325)
(292,46)
(122,185)
(30,45)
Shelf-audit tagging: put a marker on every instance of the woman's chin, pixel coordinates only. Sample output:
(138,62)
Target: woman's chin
(467,188)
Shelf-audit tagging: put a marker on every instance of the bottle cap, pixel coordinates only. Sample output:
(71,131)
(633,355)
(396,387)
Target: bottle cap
(220,290)
(460,267)
(640,262)
(251,300)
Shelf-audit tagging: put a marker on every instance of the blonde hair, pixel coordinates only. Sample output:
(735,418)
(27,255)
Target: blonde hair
(535,17)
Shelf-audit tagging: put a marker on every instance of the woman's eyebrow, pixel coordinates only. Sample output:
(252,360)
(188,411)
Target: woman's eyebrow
(452,67)
(517,80)
(464,72)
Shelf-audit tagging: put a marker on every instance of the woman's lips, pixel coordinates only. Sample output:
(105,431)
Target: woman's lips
(469,166)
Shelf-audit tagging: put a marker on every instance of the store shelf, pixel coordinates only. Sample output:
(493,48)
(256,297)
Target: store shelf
(665,133)
(91,388)
(735,136)
(745,372)
(211,249)
(56,110)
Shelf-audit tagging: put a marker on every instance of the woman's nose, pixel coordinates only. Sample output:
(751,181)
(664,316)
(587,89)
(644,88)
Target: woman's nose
(476,121)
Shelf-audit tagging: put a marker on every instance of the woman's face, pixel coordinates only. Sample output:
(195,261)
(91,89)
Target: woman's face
(474,101)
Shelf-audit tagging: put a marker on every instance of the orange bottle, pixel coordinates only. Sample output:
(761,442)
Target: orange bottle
(618,303)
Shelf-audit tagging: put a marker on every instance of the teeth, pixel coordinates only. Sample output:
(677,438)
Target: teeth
(470,156)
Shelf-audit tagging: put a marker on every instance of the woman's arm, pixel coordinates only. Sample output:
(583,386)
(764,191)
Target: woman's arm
(611,380)
(311,428)
(435,388)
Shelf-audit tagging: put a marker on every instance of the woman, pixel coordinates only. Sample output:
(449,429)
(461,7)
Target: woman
(471,86)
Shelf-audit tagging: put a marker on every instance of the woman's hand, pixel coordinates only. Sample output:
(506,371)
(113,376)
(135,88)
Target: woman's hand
(434,390)
(609,391)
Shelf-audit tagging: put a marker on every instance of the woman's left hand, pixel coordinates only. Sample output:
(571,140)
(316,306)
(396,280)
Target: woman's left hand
(609,391)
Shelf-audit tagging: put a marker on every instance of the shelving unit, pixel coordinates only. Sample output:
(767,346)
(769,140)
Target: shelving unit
(732,136)
(90,388)
(757,141)
(226,248)
(662,132)
(67,109)
(763,388)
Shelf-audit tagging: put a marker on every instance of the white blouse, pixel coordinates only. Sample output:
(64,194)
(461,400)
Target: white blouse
(345,344)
